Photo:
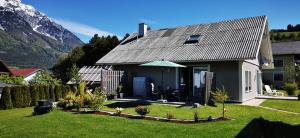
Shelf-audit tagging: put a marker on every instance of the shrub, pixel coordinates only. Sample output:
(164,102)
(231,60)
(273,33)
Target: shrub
(58,92)
(290,88)
(26,96)
(142,110)
(65,90)
(17,97)
(119,110)
(52,92)
(96,100)
(81,88)
(69,102)
(5,101)
(34,92)
(170,115)
(196,116)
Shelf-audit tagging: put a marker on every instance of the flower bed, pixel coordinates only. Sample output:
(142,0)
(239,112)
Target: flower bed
(162,119)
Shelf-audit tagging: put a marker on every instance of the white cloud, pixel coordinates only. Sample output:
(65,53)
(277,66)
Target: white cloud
(82,29)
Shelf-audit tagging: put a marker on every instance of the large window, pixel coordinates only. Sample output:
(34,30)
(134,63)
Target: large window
(278,63)
(278,76)
(248,81)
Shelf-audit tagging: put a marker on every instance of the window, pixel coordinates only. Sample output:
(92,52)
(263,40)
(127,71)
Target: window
(278,63)
(278,76)
(248,81)
(194,39)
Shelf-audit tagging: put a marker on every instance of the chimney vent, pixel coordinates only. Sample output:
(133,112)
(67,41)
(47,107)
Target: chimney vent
(143,28)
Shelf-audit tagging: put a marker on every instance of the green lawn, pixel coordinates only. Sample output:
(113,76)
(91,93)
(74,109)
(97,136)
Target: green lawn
(287,105)
(20,123)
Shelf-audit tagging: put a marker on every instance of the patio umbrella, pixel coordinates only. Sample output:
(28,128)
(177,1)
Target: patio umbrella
(162,63)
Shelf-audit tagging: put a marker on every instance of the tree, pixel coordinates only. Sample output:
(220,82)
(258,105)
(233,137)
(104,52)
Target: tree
(5,101)
(44,78)
(52,92)
(290,28)
(297,27)
(74,74)
(221,96)
(86,55)
(58,92)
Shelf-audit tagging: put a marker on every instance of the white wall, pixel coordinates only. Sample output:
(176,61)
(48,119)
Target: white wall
(254,69)
(30,77)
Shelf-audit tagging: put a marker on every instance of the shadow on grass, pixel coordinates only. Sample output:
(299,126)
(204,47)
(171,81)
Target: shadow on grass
(128,104)
(260,127)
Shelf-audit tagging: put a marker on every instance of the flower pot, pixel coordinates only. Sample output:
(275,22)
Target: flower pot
(115,97)
(121,95)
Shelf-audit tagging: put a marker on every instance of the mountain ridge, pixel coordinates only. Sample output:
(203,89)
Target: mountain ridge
(28,36)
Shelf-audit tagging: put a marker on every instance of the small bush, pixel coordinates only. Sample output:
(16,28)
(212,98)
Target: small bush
(5,101)
(196,116)
(170,115)
(65,90)
(69,102)
(96,100)
(290,88)
(119,110)
(34,92)
(142,110)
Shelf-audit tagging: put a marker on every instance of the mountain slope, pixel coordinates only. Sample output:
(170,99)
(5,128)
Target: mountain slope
(29,38)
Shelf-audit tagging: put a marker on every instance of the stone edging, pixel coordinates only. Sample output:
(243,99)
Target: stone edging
(132,116)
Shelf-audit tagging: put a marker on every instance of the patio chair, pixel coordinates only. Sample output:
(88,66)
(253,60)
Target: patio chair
(271,92)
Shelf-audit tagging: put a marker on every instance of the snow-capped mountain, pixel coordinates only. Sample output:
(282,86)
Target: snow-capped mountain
(32,28)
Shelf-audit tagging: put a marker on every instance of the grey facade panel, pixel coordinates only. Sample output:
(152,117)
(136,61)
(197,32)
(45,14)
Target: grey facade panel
(286,48)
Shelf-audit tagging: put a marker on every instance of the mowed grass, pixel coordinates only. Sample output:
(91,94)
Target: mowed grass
(287,105)
(20,123)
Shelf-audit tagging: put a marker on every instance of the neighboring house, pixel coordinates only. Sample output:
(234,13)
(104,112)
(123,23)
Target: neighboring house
(234,50)
(286,55)
(27,73)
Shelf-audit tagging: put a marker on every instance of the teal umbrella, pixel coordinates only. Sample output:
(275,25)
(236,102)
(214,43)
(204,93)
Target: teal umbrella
(162,63)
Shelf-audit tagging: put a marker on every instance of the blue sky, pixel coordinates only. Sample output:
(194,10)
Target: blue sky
(86,17)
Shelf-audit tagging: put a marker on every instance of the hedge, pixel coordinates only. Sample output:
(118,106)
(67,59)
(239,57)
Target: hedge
(17,97)
(5,101)
(24,96)
(58,92)
(34,91)
(52,92)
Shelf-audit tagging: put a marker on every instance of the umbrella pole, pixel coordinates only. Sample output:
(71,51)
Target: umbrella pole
(162,84)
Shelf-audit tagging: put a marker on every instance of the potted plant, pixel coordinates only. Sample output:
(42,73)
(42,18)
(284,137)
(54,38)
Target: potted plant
(115,95)
(119,89)
(119,110)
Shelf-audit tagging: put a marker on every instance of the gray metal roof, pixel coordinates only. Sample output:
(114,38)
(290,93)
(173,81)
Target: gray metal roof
(90,74)
(286,48)
(227,40)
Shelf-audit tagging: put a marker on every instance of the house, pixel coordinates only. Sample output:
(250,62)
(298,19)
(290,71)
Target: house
(286,56)
(234,50)
(27,73)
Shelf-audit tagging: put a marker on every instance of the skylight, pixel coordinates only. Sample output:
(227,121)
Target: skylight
(194,39)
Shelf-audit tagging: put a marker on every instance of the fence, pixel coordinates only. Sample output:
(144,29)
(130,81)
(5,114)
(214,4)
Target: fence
(110,80)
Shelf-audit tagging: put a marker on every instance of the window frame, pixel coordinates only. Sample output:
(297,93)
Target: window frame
(197,40)
(278,73)
(248,81)
(277,64)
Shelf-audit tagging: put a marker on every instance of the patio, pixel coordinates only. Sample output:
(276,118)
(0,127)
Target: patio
(277,97)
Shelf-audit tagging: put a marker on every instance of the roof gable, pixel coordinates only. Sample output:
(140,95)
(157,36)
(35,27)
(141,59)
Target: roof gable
(227,40)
